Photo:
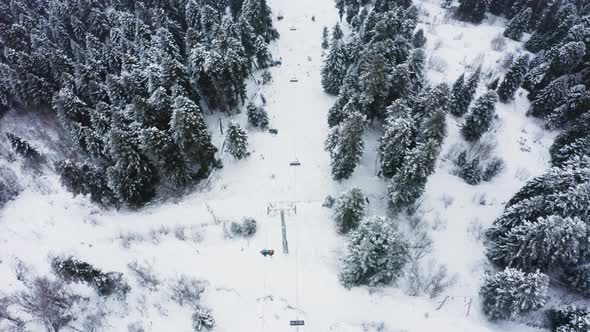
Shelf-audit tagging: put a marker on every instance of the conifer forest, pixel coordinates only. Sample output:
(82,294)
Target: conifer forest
(281,165)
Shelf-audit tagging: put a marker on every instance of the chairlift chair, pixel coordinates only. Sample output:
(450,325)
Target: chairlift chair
(293,79)
(295,163)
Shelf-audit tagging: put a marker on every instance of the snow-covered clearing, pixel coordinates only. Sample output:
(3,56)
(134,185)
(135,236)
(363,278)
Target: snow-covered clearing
(248,292)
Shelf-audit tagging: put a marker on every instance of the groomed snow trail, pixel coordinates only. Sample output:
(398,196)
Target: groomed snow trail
(248,292)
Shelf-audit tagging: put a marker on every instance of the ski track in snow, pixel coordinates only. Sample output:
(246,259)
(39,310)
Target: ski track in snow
(248,292)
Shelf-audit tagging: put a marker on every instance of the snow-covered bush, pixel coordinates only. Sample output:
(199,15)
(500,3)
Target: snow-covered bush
(106,284)
(350,209)
(145,275)
(9,186)
(511,293)
(570,319)
(246,229)
(328,202)
(376,254)
(47,300)
(186,290)
(493,168)
(202,320)
(430,280)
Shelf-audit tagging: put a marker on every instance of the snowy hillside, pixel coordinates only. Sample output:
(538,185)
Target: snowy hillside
(189,235)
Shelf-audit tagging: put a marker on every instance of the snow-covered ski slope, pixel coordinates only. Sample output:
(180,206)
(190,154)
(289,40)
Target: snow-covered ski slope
(248,292)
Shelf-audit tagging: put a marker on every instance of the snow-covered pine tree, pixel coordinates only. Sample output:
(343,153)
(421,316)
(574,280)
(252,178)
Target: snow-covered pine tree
(471,171)
(571,319)
(511,293)
(165,154)
(409,183)
(22,147)
(518,25)
(455,104)
(572,143)
(513,79)
(189,132)
(236,141)
(349,210)
(464,94)
(334,69)
(546,243)
(259,16)
(346,146)
(433,127)
(481,116)
(419,39)
(325,36)
(337,33)
(257,116)
(86,179)
(577,278)
(133,177)
(262,54)
(396,141)
(576,102)
(472,10)
(376,254)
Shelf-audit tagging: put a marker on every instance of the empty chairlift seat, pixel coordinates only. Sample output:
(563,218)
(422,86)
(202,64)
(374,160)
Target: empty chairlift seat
(293,79)
(295,163)
(293,28)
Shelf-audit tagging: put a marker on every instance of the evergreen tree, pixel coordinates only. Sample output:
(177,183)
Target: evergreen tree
(396,141)
(189,132)
(163,152)
(472,10)
(334,69)
(237,141)
(419,39)
(479,119)
(493,85)
(577,278)
(433,128)
(518,25)
(471,171)
(345,144)
(511,293)
(376,254)
(463,93)
(571,319)
(572,143)
(409,183)
(257,116)
(456,102)
(263,57)
(349,210)
(258,15)
(133,178)
(22,147)
(513,79)
(86,179)
(546,243)
(337,33)
(325,42)
(576,103)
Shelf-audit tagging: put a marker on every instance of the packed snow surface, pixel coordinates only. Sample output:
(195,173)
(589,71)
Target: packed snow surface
(248,292)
